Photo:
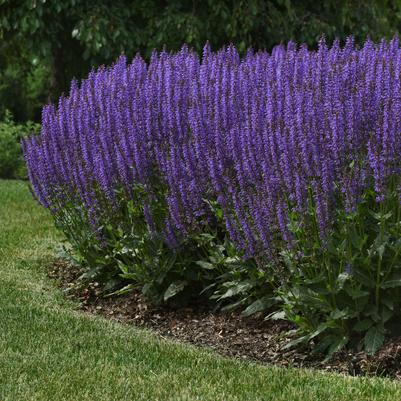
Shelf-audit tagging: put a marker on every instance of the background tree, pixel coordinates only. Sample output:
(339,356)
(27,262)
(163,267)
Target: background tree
(44,43)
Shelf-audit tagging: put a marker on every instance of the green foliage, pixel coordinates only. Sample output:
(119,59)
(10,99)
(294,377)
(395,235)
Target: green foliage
(11,160)
(244,286)
(24,80)
(343,292)
(349,289)
(127,253)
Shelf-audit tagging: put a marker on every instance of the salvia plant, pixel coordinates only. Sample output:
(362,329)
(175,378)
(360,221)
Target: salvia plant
(186,170)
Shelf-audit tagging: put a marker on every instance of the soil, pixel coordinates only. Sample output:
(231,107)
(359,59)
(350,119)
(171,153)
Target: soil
(229,334)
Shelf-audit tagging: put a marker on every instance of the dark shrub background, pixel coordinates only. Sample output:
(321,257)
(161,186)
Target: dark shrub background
(43,44)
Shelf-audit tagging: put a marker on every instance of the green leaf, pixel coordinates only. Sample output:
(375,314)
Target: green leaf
(387,314)
(174,288)
(276,316)
(122,291)
(232,306)
(258,305)
(356,292)
(321,328)
(374,339)
(373,311)
(205,265)
(388,301)
(231,260)
(364,279)
(324,343)
(387,215)
(338,344)
(381,216)
(206,236)
(236,289)
(300,340)
(363,325)
(129,276)
(391,283)
(339,314)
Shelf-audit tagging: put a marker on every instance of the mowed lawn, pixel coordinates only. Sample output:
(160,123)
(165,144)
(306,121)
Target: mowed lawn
(51,351)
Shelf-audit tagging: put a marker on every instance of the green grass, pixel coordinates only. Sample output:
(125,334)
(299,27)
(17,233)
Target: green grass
(51,351)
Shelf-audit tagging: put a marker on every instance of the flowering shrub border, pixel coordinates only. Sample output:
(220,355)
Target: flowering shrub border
(292,159)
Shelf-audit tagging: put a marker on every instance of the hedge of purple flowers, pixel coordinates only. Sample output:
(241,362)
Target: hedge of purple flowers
(280,142)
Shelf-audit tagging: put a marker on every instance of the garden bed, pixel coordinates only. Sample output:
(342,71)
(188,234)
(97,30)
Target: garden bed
(228,334)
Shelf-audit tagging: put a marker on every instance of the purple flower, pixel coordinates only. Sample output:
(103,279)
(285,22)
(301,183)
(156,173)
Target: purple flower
(266,135)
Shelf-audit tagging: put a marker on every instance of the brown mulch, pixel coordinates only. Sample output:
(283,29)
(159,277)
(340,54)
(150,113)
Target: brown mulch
(229,334)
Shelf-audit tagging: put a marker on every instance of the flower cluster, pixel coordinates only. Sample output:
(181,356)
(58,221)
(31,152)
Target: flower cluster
(264,136)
